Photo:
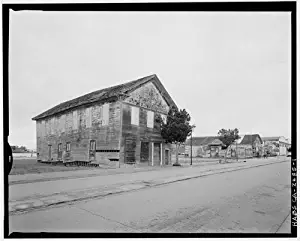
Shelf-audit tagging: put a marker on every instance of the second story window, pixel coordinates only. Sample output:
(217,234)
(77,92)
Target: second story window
(150,119)
(164,118)
(75,120)
(135,114)
(68,147)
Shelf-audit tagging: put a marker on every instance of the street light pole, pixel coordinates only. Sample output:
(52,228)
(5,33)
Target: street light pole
(192,147)
(236,151)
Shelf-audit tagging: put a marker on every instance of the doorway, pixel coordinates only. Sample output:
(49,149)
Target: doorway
(59,154)
(50,152)
(144,152)
(130,145)
(167,157)
(156,154)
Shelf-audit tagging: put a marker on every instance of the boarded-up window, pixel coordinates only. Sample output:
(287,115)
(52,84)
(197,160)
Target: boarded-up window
(92,145)
(68,146)
(56,126)
(105,114)
(52,126)
(41,128)
(59,125)
(135,113)
(63,123)
(75,120)
(46,128)
(37,128)
(88,113)
(150,119)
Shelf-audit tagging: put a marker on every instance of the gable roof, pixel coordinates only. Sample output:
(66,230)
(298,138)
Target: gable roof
(216,142)
(277,138)
(274,138)
(249,139)
(201,141)
(106,94)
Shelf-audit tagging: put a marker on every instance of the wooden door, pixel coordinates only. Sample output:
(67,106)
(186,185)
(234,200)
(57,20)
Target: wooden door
(50,152)
(130,145)
(166,157)
(144,152)
(59,155)
(156,154)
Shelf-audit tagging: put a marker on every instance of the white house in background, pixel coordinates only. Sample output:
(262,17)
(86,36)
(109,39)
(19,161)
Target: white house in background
(280,142)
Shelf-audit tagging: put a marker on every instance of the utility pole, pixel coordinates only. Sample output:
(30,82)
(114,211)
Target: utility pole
(192,147)
(236,151)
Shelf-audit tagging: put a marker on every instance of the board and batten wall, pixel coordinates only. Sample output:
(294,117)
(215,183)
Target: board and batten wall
(134,134)
(99,122)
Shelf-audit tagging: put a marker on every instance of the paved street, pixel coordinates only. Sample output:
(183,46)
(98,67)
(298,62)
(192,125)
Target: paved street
(248,200)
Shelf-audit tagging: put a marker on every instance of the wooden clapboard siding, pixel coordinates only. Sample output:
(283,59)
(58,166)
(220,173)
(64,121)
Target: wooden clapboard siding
(107,136)
(140,133)
(85,118)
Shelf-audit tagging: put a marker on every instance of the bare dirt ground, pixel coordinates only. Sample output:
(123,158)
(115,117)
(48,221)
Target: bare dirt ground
(29,165)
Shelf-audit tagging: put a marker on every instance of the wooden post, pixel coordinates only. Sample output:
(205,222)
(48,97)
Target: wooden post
(161,154)
(152,152)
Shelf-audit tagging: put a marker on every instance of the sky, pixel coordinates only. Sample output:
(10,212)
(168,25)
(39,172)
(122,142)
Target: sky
(228,69)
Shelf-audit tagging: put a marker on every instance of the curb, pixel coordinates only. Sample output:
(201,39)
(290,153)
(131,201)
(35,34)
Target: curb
(24,181)
(23,206)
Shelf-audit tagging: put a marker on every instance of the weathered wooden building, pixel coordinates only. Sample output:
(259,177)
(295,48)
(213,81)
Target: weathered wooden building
(116,123)
(207,146)
(248,146)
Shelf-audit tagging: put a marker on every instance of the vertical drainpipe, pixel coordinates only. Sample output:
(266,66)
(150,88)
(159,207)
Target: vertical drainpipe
(152,151)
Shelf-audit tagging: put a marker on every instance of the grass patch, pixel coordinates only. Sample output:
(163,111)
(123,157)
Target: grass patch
(30,165)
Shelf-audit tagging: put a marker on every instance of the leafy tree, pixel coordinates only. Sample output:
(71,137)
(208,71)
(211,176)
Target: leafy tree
(228,137)
(177,128)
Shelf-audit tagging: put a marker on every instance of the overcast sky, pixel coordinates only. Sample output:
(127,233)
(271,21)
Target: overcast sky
(229,70)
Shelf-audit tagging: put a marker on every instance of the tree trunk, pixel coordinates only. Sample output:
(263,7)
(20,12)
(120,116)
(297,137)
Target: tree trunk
(177,147)
(225,157)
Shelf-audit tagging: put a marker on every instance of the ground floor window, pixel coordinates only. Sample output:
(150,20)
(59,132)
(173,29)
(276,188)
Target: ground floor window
(92,145)
(59,151)
(92,151)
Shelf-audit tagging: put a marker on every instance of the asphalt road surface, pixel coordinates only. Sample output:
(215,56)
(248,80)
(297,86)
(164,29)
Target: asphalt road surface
(251,200)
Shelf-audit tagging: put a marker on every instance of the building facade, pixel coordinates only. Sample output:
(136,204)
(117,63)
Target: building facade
(118,123)
(248,146)
(277,145)
(208,146)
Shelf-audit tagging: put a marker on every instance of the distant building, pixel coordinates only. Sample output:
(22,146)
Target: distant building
(211,146)
(115,123)
(207,146)
(278,144)
(248,146)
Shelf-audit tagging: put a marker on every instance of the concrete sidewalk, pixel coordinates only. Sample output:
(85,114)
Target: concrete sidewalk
(50,176)
(30,196)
